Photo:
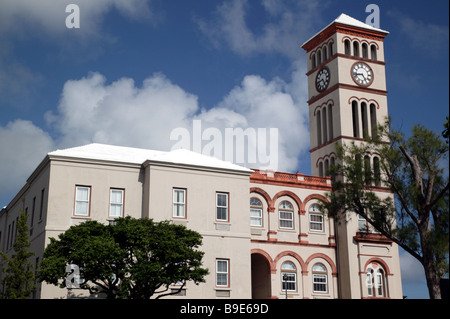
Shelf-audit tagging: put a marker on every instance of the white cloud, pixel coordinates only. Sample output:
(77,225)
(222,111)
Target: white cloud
(288,22)
(121,113)
(22,146)
(90,110)
(48,16)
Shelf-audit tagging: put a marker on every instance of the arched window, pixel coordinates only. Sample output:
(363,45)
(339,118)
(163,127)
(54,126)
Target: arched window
(355,48)
(315,218)
(373,119)
(319,57)
(367,171)
(324,125)
(313,60)
(373,52)
(321,169)
(375,280)
(376,171)
(286,215)
(330,122)
(365,51)
(347,47)
(365,130)
(355,119)
(330,49)
(320,282)
(326,167)
(255,212)
(288,276)
(319,128)
(325,53)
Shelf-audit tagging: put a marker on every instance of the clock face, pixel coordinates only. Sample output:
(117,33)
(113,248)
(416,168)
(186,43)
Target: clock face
(362,74)
(322,79)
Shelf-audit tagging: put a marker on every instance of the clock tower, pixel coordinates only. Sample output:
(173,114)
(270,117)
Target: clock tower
(346,87)
(347,99)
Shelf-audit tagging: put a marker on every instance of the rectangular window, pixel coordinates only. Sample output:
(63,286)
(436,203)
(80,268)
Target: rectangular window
(289,280)
(222,273)
(222,206)
(320,283)
(82,198)
(369,283)
(362,224)
(316,222)
(179,203)
(380,284)
(286,219)
(116,197)
(255,217)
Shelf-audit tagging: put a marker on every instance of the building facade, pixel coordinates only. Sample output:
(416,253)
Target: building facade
(264,235)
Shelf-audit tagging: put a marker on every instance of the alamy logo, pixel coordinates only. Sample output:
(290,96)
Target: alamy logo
(73,280)
(373,18)
(249,147)
(73,19)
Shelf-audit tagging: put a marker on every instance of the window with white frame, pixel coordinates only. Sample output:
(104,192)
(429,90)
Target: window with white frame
(255,212)
(179,203)
(289,276)
(315,218)
(319,278)
(222,206)
(375,282)
(286,215)
(222,272)
(116,198)
(82,198)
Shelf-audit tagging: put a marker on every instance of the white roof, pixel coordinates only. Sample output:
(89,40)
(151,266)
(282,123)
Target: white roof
(346,19)
(139,156)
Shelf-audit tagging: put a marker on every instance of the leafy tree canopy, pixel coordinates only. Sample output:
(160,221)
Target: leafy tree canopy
(132,258)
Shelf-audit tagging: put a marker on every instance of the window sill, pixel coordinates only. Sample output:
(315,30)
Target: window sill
(222,225)
(81,217)
(289,230)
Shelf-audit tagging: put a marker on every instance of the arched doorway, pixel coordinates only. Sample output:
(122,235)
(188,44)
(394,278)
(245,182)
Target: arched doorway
(261,282)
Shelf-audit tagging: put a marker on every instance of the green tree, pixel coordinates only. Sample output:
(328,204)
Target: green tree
(133,258)
(412,169)
(19,279)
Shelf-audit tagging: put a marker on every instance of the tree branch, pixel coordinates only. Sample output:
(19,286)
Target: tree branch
(173,292)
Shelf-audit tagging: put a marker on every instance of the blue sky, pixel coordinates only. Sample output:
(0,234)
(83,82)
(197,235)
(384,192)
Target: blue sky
(135,70)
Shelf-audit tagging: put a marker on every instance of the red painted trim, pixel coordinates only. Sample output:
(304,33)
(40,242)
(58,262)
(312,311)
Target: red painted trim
(348,87)
(327,258)
(291,195)
(263,193)
(272,265)
(379,261)
(292,254)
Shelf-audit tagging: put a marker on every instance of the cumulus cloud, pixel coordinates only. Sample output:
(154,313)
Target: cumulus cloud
(23,145)
(123,113)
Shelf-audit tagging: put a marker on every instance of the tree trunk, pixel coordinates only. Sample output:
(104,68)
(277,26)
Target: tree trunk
(431,274)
